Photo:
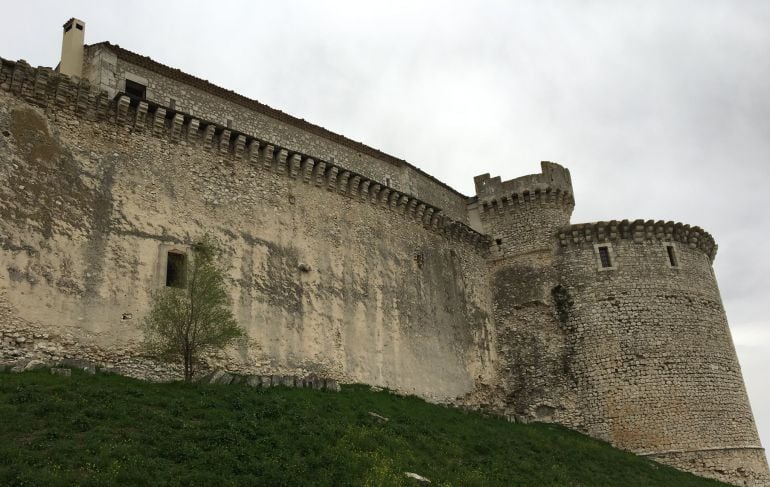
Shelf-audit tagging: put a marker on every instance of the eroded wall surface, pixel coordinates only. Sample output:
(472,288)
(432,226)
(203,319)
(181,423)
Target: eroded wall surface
(534,348)
(336,282)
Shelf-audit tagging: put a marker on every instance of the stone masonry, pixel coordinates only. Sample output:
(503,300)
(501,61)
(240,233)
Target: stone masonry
(353,265)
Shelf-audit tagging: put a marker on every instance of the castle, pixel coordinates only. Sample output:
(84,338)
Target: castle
(352,264)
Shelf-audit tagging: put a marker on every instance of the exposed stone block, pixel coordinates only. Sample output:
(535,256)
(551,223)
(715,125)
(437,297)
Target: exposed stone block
(332,178)
(253,149)
(140,123)
(192,132)
(280,161)
(41,86)
(384,197)
(307,169)
(223,143)
(363,189)
(176,127)
(353,186)
(159,122)
(374,192)
(427,216)
(208,136)
(240,146)
(402,203)
(294,165)
(411,207)
(268,156)
(122,115)
(83,99)
(343,182)
(319,172)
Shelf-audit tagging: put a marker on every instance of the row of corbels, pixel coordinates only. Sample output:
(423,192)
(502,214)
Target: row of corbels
(546,197)
(178,126)
(639,231)
(49,89)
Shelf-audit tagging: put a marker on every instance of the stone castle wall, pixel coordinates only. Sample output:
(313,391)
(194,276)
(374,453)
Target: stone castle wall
(327,276)
(107,67)
(334,273)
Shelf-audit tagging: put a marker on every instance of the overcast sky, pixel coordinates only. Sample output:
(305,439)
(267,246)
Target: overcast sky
(661,110)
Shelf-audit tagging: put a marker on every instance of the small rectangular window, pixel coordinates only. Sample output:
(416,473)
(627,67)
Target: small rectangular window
(135,90)
(671,256)
(604,256)
(229,123)
(176,269)
(78,27)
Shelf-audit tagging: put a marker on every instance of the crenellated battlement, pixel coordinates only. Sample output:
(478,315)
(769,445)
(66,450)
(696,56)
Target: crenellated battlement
(552,188)
(46,88)
(639,231)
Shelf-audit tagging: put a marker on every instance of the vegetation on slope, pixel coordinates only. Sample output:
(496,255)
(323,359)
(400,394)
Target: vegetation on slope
(107,430)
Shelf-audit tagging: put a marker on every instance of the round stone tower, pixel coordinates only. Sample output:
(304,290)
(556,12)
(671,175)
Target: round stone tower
(652,356)
(522,217)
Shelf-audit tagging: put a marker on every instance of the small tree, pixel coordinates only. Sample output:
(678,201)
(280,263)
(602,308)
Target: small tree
(194,318)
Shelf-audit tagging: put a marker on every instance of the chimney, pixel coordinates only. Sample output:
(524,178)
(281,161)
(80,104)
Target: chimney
(72,48)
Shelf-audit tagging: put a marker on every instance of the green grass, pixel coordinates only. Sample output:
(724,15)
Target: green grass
(107,430)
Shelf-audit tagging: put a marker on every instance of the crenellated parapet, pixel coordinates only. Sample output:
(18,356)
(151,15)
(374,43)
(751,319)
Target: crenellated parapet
(639,231)
(542,198)
(551,188)
(71,96)
(522,215)
(47,88)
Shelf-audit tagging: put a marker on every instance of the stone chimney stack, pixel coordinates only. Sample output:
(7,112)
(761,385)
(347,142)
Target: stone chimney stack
(72,48)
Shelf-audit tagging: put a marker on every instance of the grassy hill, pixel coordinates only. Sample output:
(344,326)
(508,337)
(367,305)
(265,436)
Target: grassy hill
(107,430)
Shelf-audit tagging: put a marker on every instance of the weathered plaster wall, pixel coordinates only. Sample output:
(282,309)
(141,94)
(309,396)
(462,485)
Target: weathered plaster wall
(109,72)
(90,210)
(653,359)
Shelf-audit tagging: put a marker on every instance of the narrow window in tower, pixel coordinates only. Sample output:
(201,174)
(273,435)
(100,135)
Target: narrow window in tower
(671,256)
(604,256)
(176,269)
